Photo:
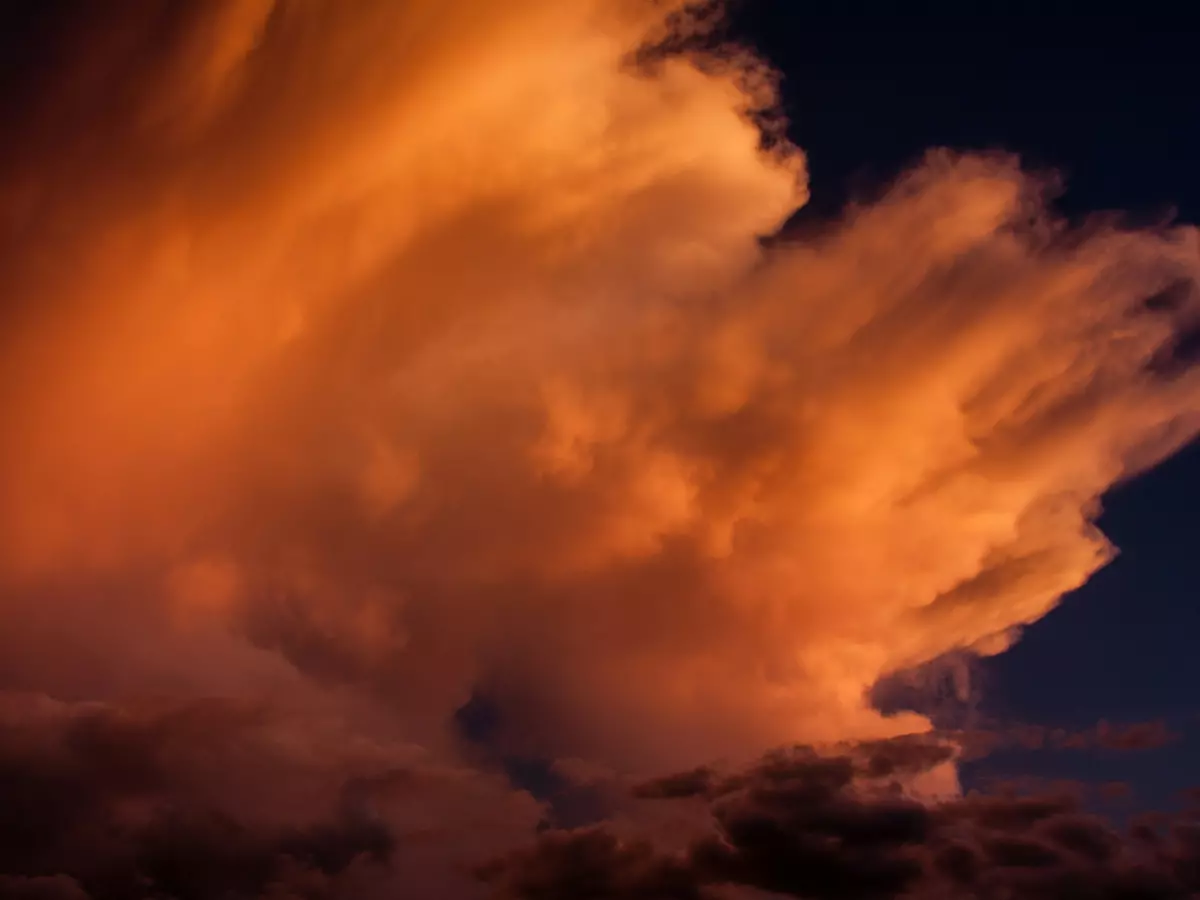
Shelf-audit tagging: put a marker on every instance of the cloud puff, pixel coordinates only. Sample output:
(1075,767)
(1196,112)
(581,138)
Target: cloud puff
(379,355)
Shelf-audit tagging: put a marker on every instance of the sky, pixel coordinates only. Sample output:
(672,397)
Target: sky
(595,449)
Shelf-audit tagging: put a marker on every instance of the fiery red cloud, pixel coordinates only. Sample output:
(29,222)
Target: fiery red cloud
(359,356)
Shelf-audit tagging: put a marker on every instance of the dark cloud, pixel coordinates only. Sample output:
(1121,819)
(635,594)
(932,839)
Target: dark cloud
(1138,736)
(799,824)
(905,755)
(54,887)
(1084,793)
(590,863)
(125,805)
(695,783)
(986,738)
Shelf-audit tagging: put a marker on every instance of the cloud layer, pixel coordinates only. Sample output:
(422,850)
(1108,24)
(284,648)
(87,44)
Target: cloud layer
(373,356)
(827,827)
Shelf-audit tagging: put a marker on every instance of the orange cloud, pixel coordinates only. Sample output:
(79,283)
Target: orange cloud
(412,347)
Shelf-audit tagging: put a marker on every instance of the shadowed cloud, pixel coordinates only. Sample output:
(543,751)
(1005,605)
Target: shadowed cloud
(805,825)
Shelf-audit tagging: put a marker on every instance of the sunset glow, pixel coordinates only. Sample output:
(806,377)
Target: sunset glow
(362,358)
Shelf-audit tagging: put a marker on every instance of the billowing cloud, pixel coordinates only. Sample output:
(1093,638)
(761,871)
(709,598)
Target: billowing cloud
(373,356)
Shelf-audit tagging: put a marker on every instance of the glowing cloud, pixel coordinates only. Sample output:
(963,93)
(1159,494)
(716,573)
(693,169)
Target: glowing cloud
(408,349)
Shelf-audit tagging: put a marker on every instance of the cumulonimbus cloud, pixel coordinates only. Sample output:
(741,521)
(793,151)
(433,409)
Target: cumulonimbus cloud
(405,350)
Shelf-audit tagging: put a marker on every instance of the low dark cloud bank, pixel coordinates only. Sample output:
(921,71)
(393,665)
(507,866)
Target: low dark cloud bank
(217,799)
(107,804)
(799,824)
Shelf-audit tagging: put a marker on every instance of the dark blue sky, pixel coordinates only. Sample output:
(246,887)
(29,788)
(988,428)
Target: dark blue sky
(1114,106)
